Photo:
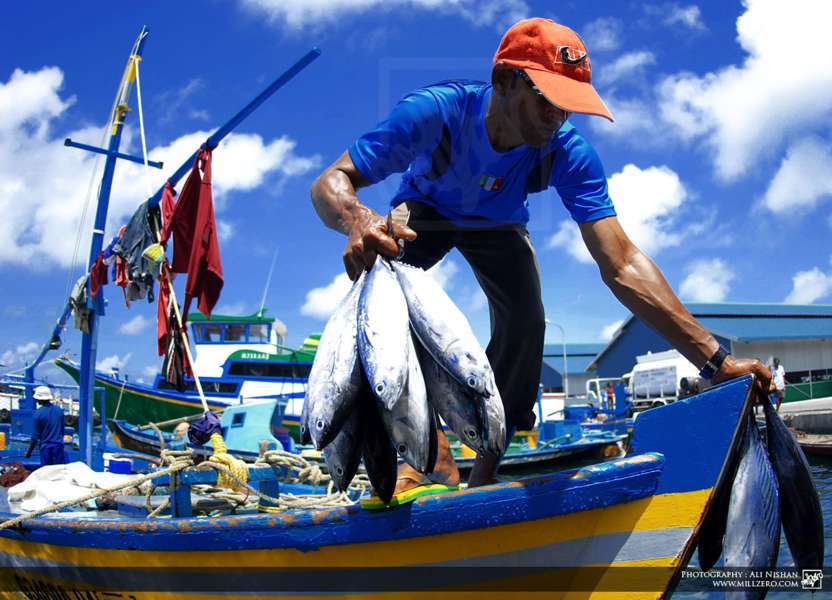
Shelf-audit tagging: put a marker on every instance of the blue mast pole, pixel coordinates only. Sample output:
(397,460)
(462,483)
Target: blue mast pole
(89,342)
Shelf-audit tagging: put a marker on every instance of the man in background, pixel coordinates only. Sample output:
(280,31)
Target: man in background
(48,429)
(778,378)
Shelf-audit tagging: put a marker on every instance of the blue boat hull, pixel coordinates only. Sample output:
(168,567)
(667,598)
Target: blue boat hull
(641,510)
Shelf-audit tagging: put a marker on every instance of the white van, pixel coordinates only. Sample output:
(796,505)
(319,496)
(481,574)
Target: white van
(656,378)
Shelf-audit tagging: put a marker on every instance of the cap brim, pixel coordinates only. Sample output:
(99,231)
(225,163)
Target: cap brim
(568,94)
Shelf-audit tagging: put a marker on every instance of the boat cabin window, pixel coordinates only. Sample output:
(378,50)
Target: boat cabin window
(270,369)
(208,333)
(238,420)
(234,333)
(258,333)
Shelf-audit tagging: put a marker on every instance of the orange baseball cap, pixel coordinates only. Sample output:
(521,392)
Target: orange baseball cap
(555,59)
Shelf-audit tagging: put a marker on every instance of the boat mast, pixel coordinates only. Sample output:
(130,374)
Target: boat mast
(89,342)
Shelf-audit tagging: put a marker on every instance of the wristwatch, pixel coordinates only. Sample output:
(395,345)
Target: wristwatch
(714,363)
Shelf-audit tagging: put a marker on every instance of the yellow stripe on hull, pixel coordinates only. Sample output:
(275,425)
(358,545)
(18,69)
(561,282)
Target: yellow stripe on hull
(649,514)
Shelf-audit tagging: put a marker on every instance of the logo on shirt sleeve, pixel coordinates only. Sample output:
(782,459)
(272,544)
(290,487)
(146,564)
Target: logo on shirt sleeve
(490,183)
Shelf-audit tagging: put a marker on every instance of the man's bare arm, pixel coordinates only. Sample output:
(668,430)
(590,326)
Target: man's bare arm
(639,284)
(336,202)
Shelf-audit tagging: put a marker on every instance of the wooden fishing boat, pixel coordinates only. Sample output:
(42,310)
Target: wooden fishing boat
(815,444)
(581,530)
(244,428)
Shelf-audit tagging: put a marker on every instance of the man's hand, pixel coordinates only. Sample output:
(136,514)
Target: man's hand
(368,237)
(737,367)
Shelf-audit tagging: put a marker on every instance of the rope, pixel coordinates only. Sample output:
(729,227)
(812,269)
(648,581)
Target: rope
(148,186)
(120,394)
(235,466)
(133,483)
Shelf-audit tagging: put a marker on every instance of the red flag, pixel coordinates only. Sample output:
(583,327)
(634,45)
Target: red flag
(195,247)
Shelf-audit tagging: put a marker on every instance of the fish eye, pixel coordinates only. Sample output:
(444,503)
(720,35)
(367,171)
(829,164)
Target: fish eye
(319,424)
(402,449)
(472,382)
(472,434)
(380,388)
(339,471)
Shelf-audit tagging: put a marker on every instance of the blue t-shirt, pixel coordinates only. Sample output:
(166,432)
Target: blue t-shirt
(49,425)
(437,137)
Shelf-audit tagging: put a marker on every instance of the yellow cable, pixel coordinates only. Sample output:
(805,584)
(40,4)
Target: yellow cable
(235,465)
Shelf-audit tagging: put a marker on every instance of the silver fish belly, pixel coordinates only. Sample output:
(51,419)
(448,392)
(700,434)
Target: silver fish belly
(335,376)
(752,533)
(409,421)
(383,333)
(453,401)
(444,331)
(343,453)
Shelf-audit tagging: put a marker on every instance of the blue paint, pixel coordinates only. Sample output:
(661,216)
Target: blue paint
(535,498)
(135,159)
(693,434)
(678,448)
(89,341)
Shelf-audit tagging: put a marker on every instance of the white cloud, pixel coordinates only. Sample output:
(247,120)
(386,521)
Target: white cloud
(150,371)
(635,121)
(113,361)
(225,230)
(135,325)
(688,16)
(707,281)
(234,309)
(443,272)
(647,202)
(747,112)
(803,177)
(568,236)
(42,214)
(321,302)
(300,14)
(624,66)
(477,300)
(602,35)
(610,330)
(22,354)
(809,286)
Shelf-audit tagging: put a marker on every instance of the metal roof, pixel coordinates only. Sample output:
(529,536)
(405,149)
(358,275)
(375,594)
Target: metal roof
(576,365)
(573,349)
(748,322)
(258,317)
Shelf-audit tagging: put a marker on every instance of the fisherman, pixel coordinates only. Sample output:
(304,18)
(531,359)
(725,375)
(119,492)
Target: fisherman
(470,153)
(48,429)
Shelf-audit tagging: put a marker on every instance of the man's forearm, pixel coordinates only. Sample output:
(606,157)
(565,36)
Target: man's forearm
(334,196)
(640,286)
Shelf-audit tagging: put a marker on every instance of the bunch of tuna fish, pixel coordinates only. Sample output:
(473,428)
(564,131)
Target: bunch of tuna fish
(770,485)
(397,351)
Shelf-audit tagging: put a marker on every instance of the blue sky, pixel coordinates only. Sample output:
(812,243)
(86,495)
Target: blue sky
(718,162)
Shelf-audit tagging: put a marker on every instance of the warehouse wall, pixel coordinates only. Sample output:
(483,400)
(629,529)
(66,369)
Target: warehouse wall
(796,355)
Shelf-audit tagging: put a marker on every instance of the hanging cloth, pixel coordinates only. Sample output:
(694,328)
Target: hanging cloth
(98,275)
(196,250)
(175,366)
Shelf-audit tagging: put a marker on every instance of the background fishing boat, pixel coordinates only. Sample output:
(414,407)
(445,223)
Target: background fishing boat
(237,358)
(640,510)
